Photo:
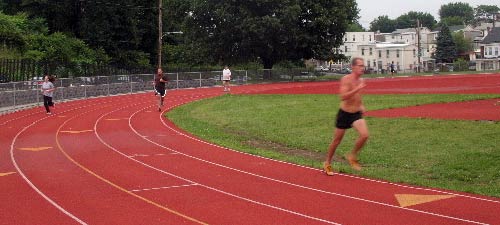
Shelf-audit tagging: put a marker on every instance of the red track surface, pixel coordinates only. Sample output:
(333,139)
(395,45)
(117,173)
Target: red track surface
(115,160)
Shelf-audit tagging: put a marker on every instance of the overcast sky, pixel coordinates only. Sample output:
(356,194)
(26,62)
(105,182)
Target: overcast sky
(371,9)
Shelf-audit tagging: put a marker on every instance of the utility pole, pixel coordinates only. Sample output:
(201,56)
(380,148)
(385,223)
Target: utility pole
(418,45)
(160,32)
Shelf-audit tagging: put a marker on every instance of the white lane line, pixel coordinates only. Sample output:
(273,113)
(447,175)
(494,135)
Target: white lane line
(309,188)
(153,155)
(33,186)
(340,174)
(193,182)
(161,188)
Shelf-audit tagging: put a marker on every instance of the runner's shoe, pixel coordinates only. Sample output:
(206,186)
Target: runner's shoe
(353,161)
(327,168)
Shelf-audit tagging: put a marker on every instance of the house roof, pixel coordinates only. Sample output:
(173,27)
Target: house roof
(493,36)
(406,30)
(456,28)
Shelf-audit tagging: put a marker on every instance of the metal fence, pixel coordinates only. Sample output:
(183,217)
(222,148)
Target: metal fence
(14,95)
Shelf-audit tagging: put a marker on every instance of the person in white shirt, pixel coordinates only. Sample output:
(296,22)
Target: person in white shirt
(226,77)
(48,89)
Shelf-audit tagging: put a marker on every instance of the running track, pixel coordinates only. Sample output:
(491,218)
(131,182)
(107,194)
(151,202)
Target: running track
(115,160)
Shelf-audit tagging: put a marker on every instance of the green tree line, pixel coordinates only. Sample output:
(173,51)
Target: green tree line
(451,14)
(197,32)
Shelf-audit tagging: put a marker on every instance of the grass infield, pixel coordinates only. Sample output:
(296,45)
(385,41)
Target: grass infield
(449,154)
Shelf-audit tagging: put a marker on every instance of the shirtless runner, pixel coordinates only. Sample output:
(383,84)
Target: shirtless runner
(350,115)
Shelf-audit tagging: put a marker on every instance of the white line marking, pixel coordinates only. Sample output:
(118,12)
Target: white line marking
(161,188)
(297,185)
(190,181)
(52,202)
(341,174)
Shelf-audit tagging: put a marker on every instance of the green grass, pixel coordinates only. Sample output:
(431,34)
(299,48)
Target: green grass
(456,155)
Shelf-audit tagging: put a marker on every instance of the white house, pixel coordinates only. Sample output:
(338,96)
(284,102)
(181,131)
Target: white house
(490,51)
(352,40)
(379,56)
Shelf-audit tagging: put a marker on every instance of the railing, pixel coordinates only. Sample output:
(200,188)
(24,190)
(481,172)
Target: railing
(15,95)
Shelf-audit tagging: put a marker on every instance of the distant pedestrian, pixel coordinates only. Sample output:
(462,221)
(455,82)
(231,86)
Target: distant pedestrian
(226,78)
(349,115)
(160,86)
(48,89)
(393,70)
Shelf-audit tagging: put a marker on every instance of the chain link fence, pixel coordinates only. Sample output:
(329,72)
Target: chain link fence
(21,94)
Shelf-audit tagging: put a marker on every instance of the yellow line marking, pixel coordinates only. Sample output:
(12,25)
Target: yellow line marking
(35,149)
(119,187)
(76,131)
(406,200)
(6,174)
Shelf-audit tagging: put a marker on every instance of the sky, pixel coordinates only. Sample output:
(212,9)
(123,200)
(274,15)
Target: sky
(371,9)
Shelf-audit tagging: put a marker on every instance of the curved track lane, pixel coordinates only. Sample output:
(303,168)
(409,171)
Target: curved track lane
(115,160)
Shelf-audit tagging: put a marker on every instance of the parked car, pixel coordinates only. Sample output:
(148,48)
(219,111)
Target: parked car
(321,68)
(36,80)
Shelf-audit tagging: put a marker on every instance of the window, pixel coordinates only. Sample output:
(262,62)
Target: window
(496,51)
(380,53)
(369,38)
(388,54)
(414,52)
(397,53)
(490,50)
(371,53)
(353,37)
(346,48)
(345,39)
(362,51)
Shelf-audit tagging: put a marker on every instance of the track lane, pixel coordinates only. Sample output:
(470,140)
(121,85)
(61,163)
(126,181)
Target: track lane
(21,203)
(208,212)
(250,168)
(142,119)
(75,190)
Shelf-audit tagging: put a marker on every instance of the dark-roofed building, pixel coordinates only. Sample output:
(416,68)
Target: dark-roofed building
(490,51)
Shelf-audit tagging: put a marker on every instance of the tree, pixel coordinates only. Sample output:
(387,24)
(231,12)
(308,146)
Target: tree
(125,29)
(485,13)
(60,15)
(383,24)
(410,20)
(446,50)
(267,30)
(58,47)
(355,27)
(452,21)
(457,9)
(463,45)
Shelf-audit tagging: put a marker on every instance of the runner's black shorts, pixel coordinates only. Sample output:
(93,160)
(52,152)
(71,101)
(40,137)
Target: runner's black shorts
(161,92)
(346,119)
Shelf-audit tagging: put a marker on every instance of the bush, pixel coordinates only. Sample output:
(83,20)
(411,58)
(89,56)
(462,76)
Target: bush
(460,65)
